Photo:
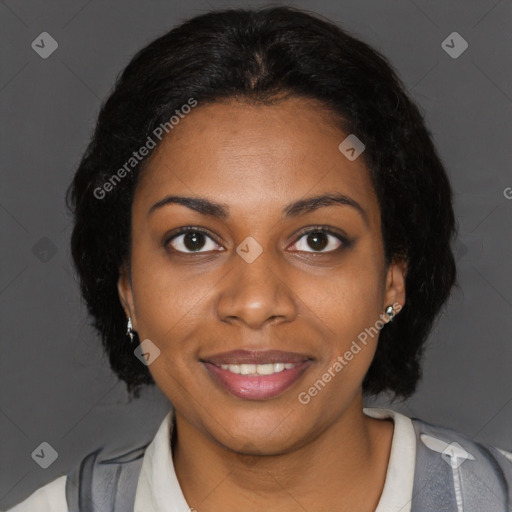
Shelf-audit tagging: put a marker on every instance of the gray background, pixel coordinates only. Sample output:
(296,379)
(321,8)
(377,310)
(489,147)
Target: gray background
(56,385)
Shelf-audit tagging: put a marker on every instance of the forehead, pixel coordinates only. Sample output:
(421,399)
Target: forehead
(253,156)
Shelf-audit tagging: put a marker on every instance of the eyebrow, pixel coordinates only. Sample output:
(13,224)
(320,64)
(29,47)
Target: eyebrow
(300,207)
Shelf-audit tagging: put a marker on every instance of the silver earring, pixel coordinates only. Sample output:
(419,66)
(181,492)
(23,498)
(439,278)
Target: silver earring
(390,312)
(129,328)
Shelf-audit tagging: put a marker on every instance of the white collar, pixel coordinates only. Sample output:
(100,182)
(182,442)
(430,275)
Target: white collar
(397,493)
(158,489)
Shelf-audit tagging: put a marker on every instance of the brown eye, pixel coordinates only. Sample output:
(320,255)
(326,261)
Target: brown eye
(317,240)
(190,241)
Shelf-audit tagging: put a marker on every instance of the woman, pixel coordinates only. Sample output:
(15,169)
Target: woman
(262,228)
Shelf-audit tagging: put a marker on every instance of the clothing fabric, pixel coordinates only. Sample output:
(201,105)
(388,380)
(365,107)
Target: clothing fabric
(158,489)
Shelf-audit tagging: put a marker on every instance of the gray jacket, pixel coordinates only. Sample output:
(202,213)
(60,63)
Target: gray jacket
(452,474)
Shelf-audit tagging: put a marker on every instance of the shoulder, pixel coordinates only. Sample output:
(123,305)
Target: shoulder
(453,444)
(452,469)
(449,469)
(104,476)
(48,498)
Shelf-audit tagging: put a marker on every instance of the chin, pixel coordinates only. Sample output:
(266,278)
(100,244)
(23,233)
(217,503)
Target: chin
(259,432)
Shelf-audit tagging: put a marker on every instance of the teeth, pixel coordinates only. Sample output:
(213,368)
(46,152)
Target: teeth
(258,369)
(247,369)
(265,369)
(279,367)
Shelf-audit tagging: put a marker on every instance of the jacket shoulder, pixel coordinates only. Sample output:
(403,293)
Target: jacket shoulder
(455,472)
(449,440)
(105,482)
(48,498)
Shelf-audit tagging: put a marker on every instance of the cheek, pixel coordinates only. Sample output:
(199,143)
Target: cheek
(162,291)
(347,309)
(347,302)
(168,303)
(167,312)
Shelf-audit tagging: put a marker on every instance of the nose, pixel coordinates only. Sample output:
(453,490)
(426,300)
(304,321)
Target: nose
(256,293)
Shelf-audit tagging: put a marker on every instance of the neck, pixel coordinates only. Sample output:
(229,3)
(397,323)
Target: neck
(346,464)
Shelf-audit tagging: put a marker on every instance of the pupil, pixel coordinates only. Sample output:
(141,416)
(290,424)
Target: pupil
(193,241)
(318,239)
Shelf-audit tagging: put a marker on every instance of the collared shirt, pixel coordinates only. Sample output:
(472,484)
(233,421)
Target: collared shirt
(158,489)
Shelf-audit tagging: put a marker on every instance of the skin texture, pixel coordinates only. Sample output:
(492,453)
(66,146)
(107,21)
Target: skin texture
(276,454)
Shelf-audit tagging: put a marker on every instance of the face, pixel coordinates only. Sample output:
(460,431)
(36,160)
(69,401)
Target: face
(253,266)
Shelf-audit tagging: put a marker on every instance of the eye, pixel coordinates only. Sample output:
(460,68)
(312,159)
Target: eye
(319,239)
(191,240)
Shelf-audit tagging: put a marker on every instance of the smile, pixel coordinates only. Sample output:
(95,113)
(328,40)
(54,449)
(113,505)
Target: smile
(257,369)
(256,374)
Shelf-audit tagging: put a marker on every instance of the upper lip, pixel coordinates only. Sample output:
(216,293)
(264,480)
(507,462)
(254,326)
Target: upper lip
(255,357)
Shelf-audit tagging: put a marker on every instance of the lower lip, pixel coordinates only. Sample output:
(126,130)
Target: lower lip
(261,387)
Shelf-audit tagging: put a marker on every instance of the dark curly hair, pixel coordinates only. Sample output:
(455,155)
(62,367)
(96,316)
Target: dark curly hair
(258,55)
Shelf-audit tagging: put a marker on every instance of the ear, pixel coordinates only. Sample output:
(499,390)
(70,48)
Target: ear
(395,284)
(124,289)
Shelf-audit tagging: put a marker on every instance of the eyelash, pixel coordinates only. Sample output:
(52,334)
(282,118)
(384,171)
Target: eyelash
(345,243)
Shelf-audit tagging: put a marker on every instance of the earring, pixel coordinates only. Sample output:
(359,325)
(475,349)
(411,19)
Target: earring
(390,312)
(129,327)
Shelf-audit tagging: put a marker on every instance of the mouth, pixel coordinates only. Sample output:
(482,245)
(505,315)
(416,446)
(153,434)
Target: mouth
(256,375)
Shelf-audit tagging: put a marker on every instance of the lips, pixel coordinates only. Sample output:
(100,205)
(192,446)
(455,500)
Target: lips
(256,357)
(247,374)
